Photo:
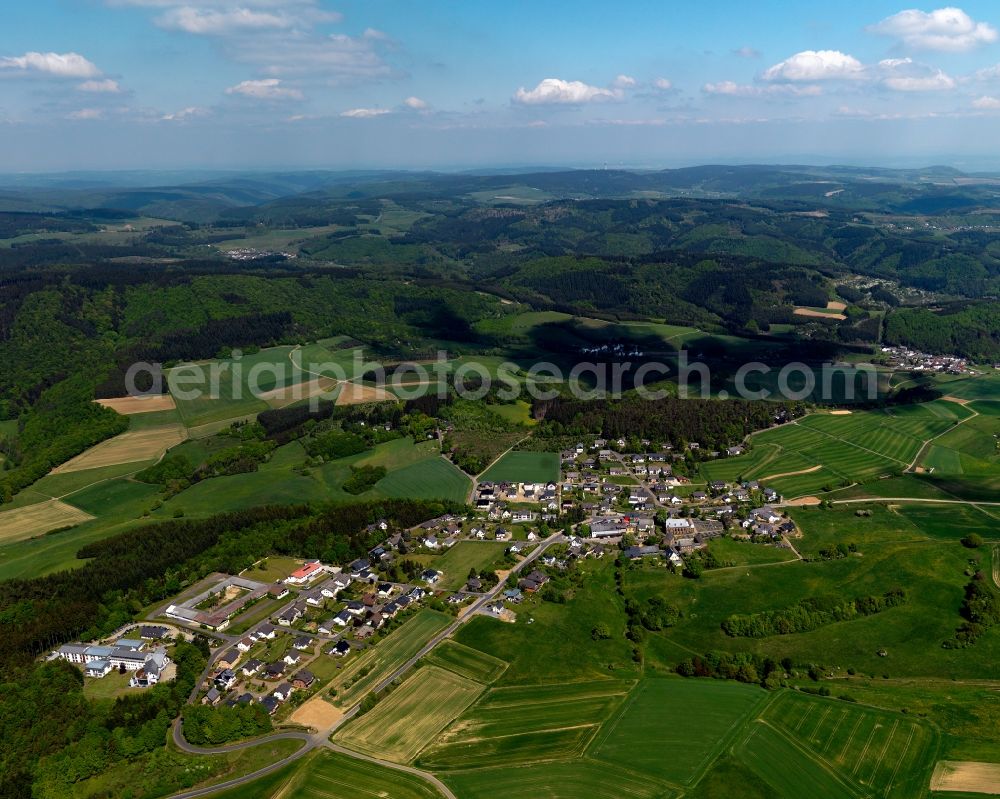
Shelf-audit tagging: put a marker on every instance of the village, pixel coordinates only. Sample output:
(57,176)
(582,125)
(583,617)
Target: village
(278,641)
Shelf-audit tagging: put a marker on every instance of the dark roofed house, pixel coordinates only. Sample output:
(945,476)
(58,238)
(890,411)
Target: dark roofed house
(274,671)
(270,704)
(303,679)
(153,633)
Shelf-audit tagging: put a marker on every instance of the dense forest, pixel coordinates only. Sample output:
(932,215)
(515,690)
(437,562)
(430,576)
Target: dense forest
(712,424)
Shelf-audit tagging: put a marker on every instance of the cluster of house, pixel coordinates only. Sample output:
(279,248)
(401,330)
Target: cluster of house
(493,501)
(916,361)
(768,523)
(125,654)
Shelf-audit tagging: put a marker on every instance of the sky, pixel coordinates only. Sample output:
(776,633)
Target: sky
(459,84)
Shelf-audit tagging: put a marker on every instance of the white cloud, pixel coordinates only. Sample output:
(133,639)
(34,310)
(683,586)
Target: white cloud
(266,89)
(906,75)
(185,113)
(59,65)
(204,21)
(812,65)
(554,91)
(624,82)
(86,113)
(747,52)
(948,29)
(364,113)
(106,86)
(416,103)
(730,88)
(663,84)
(986,103)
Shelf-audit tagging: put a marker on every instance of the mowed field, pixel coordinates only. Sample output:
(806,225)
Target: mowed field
(38,519)
(466,661)
(524,467)
(403,723)
(526,724)
(129,447)
(823,451)
(696,717)
(839,749)
(380,661)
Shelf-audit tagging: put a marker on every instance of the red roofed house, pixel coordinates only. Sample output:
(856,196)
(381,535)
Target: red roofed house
(306,574)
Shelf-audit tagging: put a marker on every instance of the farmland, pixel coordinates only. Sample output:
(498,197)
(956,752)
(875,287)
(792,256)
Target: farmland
(846,749)
(37,519)
(526,724)
(558,780)
(822,451)
(465,661)
(524,467)
(130,447)
(661,710)
(332,775)
(377,663)
(403,723)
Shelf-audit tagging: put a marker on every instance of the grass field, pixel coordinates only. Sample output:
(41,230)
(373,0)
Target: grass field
(456,562)
(694,717)
(403,723)
(433,478)
(572,780)
(378,662)
(467,662)
(526,724)
(524,467)
(911,546)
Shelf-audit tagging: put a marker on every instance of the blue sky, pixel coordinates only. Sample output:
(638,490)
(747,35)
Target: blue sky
(123,84)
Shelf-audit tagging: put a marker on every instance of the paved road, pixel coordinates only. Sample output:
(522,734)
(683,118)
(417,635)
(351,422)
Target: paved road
(321,737)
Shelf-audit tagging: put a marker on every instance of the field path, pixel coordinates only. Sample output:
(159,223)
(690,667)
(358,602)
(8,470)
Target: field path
(810,470)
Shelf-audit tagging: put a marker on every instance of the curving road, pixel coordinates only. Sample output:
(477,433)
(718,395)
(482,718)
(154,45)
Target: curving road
(321,738)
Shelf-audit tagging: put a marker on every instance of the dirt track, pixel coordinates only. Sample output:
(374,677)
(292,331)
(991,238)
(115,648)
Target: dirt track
(129,405)
(810,470)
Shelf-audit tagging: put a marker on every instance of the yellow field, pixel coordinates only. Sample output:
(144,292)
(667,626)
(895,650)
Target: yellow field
(819,314)
(130,447)
(33,520)
(129,405)
(402,724)
(966,776)
(356,394)
(316,713)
